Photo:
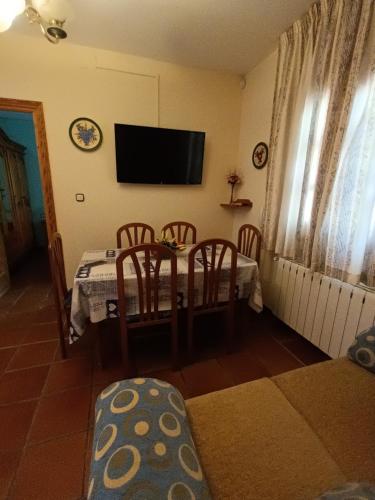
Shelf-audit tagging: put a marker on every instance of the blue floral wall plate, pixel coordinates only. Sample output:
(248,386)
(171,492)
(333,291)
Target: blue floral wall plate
(85,134)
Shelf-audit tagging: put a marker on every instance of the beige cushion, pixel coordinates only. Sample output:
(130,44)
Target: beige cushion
(337,399)
(254,445)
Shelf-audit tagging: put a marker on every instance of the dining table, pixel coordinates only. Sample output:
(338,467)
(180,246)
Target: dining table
(94,293)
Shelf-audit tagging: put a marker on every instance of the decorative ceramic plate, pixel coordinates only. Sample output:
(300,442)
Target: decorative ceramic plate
(260,155)
(85,134)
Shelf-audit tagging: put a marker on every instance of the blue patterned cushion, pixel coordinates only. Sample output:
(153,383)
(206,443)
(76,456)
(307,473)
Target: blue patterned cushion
(362,351)
(142,447)
(350,491)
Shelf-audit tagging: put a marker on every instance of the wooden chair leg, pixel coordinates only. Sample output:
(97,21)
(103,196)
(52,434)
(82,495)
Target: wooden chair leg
(63,346)
(61,329)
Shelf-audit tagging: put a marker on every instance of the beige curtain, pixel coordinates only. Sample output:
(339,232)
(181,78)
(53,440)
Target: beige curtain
(320,151)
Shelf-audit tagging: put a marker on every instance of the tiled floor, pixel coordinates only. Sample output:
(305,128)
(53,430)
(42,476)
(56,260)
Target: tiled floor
(47,405)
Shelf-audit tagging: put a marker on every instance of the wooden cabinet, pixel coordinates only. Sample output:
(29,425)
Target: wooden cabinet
(15,211)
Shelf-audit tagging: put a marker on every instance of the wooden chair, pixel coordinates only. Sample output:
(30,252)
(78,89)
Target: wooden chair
(211,254)
(146,259)
(136,233)
(61,292)
(249,241)
(181,231)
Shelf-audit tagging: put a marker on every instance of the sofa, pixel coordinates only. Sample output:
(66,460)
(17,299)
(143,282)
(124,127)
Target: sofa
(289,437)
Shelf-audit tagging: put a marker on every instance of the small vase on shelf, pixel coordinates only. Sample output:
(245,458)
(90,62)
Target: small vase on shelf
(231,194)
(233,178)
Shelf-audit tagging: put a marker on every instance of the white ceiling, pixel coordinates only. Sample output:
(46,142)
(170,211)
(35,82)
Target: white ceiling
(231,35)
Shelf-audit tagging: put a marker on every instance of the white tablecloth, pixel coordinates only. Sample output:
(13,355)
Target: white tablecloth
(94,294)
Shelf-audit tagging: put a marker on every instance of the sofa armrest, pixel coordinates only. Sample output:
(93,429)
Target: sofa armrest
(142,446)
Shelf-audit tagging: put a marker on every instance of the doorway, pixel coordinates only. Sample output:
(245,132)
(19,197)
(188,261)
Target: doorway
(22,218)
(27,214)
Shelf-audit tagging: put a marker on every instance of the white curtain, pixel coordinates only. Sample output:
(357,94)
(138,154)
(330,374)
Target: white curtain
(320,187)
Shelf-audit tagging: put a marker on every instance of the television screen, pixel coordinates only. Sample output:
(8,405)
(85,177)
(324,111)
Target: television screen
(150,155)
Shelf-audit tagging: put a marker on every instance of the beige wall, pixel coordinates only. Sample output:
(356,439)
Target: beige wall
(71,82)
(256,114)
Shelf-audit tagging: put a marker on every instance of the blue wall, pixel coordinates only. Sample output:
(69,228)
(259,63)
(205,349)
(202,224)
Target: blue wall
(20,128)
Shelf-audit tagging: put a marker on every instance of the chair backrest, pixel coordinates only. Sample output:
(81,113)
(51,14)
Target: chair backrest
(147,260)
(249,241)
(136,233)
(184,232)
(55,249)
(214,272)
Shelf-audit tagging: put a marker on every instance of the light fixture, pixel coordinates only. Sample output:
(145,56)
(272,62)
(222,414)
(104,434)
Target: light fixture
(49,14)
(8,11)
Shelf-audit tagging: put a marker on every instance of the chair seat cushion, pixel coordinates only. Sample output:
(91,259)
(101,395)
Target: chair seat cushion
(142,445)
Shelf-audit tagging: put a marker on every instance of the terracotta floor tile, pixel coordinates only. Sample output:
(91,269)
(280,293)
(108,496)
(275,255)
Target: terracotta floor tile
(15,421)
(86,475)
(4,313)
(22,384)
(209,337)
(81,348)
(109,374)
(11,337)
(63,413)
(50,301)
(281,332)
(45,315)
(152,353)
(11,297)
(34,269)
(204,377)
(255,336)
(33,354)
(173,377)
(9,461)
(70,373)
(52,470)
(5,357)
(15,320)
(33,298)
(41,332)
(275,358)
(305,351)
(242,366)
(95,391)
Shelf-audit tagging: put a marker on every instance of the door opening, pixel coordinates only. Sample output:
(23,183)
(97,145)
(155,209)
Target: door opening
(27,214)
(22,216)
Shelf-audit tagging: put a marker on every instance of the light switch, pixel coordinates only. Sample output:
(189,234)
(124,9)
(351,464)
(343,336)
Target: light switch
(80,197)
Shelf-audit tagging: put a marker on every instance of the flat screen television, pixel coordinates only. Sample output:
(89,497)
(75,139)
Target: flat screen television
(150,155)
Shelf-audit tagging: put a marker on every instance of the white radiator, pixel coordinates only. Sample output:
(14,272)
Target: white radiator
(326,311)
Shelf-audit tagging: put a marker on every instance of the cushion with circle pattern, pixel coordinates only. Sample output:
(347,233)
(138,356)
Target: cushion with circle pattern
(362,351)
(350,491)
(142,446)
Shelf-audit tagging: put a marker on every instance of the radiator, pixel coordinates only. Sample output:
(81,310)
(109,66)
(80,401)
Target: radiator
(326,311)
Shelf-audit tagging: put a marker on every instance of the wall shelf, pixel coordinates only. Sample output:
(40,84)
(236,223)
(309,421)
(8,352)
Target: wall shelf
(240,203)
